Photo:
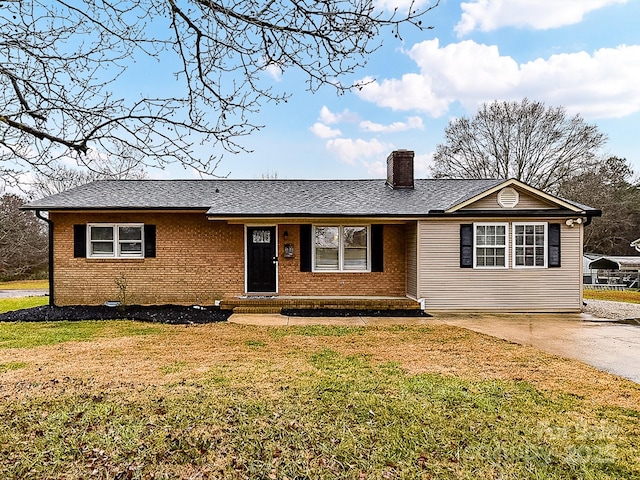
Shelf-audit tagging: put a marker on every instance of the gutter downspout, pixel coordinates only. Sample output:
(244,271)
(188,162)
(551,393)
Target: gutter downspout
(50,223)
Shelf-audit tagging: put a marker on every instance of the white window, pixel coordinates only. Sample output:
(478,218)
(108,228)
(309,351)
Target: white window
(115,240)
(529,244)
(341,248)
(490,245)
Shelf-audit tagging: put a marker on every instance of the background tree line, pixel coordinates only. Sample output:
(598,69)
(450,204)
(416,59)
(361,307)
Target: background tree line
(547,149)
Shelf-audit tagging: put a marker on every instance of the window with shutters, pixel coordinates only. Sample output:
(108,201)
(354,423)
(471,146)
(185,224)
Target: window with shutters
(529,244)
(490,245)
(108,240)
(341,248)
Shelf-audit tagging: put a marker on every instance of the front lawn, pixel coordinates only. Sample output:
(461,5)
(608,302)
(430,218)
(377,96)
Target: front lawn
(25,285)
(129,400)
(19,303)
(629,296)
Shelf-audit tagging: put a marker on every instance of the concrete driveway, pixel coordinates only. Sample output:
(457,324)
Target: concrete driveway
(607,345)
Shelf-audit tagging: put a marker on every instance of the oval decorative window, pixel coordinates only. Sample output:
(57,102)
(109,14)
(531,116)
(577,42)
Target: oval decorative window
(508,197)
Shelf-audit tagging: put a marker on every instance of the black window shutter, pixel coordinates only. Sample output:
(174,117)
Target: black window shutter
(150,241)
(305,248)
(80,241)
(466,245)
(553,260)
(377,252)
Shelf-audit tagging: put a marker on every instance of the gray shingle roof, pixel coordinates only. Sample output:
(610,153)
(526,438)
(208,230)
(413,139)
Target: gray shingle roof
(226,198)
(268,197)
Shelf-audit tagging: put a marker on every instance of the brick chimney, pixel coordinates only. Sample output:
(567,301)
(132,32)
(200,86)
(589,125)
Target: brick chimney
(400,169)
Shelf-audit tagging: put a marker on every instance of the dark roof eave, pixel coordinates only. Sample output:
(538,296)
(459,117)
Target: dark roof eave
(112,208)
(515,213)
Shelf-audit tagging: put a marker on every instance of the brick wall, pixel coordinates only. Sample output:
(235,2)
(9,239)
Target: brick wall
(199,261)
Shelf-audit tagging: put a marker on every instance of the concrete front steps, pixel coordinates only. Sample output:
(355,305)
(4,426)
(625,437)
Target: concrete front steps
(253,304)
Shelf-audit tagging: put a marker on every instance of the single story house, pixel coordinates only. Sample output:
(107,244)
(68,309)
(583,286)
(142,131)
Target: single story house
(443,244)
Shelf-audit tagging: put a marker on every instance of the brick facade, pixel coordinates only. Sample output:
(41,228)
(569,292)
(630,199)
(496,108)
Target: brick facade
(198,261)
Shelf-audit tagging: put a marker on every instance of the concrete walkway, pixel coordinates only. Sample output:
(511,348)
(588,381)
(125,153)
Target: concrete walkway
(277,320)
(607,345)
(23,293)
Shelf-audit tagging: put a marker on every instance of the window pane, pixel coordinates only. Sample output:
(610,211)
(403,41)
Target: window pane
(355,248)
(327,237)
(101,248)
(490,242)
(355,259)
(326,259)
(533,239)
(327,241)
(131,248)
(355,237)
(101,233)
(130,233)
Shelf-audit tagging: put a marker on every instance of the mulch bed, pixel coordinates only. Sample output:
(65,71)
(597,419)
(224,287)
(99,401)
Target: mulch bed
(171,314)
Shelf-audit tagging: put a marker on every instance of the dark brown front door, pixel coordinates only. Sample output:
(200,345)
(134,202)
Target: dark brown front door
(262,259)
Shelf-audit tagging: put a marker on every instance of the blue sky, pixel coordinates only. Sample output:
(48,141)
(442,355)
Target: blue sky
(581,54)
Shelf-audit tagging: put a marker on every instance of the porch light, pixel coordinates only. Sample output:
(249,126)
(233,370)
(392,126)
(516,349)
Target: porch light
(571,222)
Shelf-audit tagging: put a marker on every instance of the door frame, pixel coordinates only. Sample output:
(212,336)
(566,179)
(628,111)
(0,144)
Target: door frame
(246,255)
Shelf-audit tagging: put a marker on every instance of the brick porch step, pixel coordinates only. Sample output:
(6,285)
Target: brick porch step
(274,304)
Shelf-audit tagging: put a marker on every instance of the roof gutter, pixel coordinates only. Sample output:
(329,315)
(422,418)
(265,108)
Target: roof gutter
(50,223)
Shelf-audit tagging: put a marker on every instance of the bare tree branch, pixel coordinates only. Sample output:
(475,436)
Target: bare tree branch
(61,61)
(524,140)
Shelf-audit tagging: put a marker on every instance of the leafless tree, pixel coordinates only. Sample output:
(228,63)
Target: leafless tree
(23,240)
(63,177)
(61,63)
(613,188)
(525,140)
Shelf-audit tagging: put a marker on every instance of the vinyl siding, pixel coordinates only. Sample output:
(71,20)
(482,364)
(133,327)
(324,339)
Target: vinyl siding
(446,286)
(526,202)
(412,260)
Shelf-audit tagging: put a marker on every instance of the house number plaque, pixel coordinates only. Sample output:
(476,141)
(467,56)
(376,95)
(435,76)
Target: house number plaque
(261,236)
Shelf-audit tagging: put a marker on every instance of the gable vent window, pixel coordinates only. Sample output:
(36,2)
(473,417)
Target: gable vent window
(508,197)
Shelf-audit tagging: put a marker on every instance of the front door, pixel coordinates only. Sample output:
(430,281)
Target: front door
(262,259)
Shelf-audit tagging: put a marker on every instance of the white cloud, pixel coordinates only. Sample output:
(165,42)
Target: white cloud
(323,131)
(421,165)
(349,150)
(328,117)
(401,5)
(375,169)
(412,123)
(412,89)
(489,15)
(274,71)
(602,84)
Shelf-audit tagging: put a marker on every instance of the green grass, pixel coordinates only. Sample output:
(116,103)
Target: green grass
(317,331)
(6,367)
(330,410)
(11,304)
(25,285)
(629,296)
(35,334)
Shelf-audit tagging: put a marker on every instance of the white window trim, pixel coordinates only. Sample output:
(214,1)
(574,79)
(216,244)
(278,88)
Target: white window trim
(340,248)
(506,246)
(546,244)
(115,241)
